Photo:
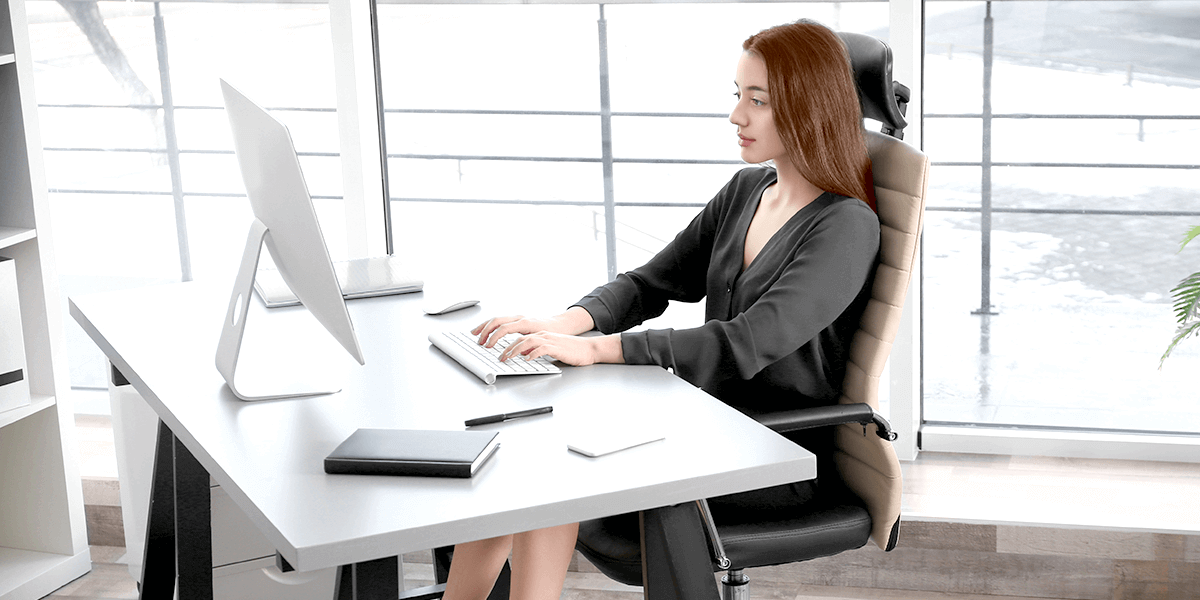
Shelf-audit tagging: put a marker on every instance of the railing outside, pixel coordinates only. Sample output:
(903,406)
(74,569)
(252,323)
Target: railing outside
(172,152)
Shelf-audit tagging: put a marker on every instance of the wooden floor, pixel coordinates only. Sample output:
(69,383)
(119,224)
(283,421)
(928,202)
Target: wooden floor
(976,527)
(110,580)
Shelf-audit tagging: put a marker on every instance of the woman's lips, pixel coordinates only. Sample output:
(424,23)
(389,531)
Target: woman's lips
(744,141)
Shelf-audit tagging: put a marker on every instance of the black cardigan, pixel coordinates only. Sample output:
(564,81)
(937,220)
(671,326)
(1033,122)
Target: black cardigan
(776,334)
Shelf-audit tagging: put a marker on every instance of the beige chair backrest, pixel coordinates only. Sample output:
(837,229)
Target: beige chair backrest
(868,463)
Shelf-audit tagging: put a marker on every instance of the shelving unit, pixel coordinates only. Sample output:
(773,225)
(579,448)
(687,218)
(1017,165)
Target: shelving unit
(11,236)
(43,534)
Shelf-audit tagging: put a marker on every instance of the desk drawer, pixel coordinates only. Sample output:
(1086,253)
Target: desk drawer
(260,580)
(234,538)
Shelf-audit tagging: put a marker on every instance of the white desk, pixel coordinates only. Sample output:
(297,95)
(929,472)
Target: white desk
(268,456)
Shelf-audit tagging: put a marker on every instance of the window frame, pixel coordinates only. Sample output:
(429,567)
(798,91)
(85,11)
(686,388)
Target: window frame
(359,108)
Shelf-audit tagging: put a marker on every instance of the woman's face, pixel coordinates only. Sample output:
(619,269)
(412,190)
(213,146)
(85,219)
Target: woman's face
(752,114)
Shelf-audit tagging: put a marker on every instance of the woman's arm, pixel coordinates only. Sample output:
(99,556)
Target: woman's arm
(675,273)
(572,349)
(815,286)
(573,321)
(680,270)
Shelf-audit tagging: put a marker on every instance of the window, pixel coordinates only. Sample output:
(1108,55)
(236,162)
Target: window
(1064,178)
(127,210)
(497,137)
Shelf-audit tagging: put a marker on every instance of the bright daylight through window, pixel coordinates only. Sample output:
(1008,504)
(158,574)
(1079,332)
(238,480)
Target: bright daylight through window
(1065,176)
(1062,135)
(497,136)
(144,187)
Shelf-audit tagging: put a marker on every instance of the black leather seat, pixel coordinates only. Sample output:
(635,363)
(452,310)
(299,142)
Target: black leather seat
(828,526)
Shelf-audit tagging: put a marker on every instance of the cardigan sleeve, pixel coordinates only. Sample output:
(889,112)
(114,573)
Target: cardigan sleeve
(827,271)
(677,272)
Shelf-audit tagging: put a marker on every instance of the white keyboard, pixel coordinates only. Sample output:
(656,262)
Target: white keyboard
(485,362)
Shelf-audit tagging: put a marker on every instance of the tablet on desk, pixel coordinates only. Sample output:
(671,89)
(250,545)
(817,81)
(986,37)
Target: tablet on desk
(601,441)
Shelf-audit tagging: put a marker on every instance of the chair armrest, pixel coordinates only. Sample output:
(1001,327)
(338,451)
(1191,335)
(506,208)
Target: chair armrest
(824,416)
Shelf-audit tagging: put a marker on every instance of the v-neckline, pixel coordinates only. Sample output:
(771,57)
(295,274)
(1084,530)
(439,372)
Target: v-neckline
(753,210)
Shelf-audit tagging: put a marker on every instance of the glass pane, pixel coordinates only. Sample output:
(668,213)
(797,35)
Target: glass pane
(447,144)
(117,223)
(1047,274)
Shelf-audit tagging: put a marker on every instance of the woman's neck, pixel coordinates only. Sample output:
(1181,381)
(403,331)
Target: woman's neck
(790,193)
(792,188)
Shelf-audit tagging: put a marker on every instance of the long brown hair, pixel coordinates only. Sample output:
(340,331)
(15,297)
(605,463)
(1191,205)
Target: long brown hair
(815,106)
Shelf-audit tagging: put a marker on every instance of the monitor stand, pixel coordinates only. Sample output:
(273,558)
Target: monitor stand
(260,382)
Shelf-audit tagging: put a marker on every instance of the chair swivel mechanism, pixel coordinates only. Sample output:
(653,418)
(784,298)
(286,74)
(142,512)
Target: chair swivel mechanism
(863,453)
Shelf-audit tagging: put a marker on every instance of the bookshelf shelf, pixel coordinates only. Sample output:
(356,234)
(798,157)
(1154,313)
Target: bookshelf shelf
(11,236)
(23,573)
(43,532)
(17,414)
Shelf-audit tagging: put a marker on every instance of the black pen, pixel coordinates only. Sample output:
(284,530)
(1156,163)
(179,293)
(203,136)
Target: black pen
(508,416)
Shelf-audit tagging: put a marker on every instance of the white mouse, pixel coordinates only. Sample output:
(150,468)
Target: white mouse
(441,308)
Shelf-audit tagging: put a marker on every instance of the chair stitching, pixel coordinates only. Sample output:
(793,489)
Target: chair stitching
(783,535)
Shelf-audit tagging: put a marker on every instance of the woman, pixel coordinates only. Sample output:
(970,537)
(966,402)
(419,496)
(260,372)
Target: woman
(784,256)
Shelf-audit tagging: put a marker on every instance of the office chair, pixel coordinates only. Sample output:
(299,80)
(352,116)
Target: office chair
(864,457)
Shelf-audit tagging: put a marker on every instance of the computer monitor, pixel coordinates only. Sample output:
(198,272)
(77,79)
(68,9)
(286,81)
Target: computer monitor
(286,221)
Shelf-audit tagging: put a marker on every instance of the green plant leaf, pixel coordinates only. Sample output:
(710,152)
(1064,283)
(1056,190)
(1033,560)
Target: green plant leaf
(1186,296)
(1192,234)
(1185,330)
(1186,302)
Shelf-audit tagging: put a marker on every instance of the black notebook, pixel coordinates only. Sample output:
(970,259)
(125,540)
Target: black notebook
(413,452)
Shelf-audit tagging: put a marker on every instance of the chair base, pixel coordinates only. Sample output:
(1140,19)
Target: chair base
(735,585)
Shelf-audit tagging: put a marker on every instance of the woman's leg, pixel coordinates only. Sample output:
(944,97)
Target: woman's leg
(539,562)
(475,566)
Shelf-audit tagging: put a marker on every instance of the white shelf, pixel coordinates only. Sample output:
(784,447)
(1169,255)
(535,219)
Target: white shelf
(43,530)
(38,403)
(25,574)
(11,236)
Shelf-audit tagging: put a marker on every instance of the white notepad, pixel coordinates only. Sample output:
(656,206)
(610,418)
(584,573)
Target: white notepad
(359,278)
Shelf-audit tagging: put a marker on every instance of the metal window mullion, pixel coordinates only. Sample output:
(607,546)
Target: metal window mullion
(360,126)
(164,74)
(985,186)
(610,216)
(903,373)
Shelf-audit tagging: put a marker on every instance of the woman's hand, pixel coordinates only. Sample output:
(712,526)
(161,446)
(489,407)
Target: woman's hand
(571,349)
(493,329)
(574,321)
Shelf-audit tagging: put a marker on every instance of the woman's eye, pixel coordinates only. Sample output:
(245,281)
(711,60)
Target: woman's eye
(758,102)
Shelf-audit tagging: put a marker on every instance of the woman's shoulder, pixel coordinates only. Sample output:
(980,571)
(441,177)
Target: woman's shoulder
(836,204)
(755,175)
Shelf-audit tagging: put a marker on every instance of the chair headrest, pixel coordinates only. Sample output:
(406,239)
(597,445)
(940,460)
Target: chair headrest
(881,98)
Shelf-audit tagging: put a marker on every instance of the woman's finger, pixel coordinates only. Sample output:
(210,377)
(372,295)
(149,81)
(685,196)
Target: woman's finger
(486,329)
(517,346)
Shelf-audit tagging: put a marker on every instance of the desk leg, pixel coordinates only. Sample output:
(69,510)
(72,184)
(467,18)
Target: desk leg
(372,580)
(675,559)
(179,527)
(158,560)
(193,526)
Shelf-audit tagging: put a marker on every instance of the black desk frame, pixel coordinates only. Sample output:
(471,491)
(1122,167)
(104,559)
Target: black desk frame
(676,564)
